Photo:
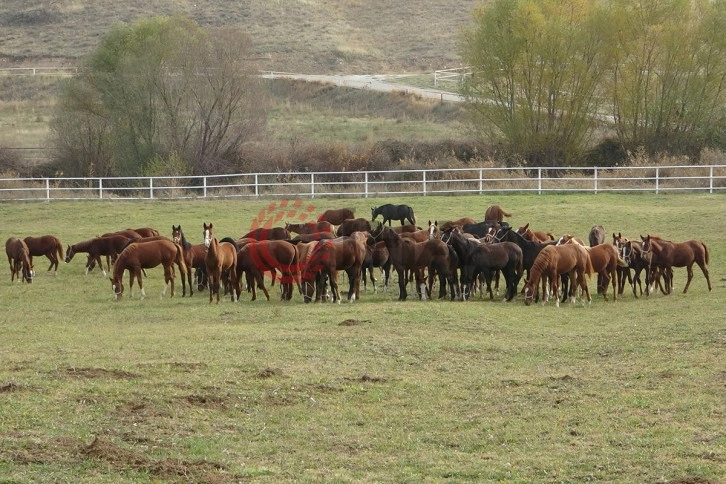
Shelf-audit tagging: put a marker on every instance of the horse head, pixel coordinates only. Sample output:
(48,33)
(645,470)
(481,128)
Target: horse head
(70,252)
(176,234)
(118,288)
(434,232)
(374,213)
(208,233)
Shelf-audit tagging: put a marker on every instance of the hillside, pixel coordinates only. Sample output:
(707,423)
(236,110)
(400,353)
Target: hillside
(310,36)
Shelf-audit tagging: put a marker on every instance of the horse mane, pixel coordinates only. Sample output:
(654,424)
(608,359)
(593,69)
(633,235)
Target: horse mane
(231,241)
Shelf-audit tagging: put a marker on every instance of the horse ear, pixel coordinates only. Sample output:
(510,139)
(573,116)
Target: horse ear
(526,226)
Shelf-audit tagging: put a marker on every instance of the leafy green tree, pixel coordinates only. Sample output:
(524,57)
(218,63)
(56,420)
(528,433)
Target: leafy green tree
(537,68)
(157,87)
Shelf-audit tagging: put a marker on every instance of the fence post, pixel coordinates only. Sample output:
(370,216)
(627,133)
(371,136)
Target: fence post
(312,185)
(539,181)
(424,182)
(710,180)
(595,178)
(257,187)
(47,188)
(365,184)
(481,181)
(151,188)
(657,179)
(204,187)
(100,188)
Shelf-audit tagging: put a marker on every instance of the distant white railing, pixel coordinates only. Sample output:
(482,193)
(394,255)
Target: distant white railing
(658,179)
(456,75)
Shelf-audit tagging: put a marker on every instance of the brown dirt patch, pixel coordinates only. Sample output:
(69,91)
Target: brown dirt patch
(354,322)
(99,373)
(269,373)
(368,379)
(9,387)
(206,401)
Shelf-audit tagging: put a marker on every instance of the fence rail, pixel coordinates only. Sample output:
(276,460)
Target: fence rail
(657,179)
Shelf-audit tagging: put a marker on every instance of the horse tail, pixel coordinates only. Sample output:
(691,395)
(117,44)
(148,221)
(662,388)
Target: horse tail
(413,217)
(59,248)
(320,217)
(506,214)
(705,252)
(180,260)
(589,270)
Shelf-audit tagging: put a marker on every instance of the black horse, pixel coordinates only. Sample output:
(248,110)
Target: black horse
(481,229)
(394,212)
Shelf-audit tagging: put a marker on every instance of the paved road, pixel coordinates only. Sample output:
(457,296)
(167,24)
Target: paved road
(373,82)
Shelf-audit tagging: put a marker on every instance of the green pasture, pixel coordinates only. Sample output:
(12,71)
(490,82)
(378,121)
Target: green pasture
(176,389)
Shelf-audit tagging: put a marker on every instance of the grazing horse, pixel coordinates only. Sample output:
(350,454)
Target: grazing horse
(183,268)
(476,258)
(264,233)
(257,257)
(146,232)
(496,213)
(551,262)
(310,227)
(47,245)
(394,212)
(336,216)
(432,254)
(666,255)
(605,262)
(317,264)
(535,235)
(456,223)
(19,259)
(110,246)
(138,256)
(221,261)
(349,226)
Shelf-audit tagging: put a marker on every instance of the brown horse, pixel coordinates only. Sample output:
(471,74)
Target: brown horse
(349,226)
(19,259)
(109,246)
(631,251)
(194,255)
(336,216)
(422,235)
(408,228)
(535,235)
(183,268)
(450,224)
(264,233)
(432,254)
(221,262)
(666,255)
(310,227)
(318,264)
(138,256)
(605,261)
(47,245)
(376,256)
(146,232)
(312,237)
(551,262)
(350,252)
(257,257)
(496,213)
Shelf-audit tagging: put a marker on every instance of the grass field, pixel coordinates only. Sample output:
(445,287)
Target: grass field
(176,389)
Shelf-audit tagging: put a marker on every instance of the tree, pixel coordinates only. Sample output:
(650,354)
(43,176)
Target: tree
(537,67)
(157,87)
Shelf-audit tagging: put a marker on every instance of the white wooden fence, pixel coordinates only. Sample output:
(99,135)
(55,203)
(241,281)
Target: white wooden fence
(658,179)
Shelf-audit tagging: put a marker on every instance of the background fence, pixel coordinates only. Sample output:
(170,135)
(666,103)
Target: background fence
(659,179)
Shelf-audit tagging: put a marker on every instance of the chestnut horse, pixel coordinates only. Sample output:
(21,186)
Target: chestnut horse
(264,233)
(257,257)
(432,254)
(310,227)
(535,235)
(631,251)
(195,256)
(109,246)
(336,216)
(456,223)
(349,226)
(221,261)
(138,256)
(47,245)
(183,268)
(605,261)
(318,264)
(496,213)
(19,259)
(664,254)
(551,262)
(350,253)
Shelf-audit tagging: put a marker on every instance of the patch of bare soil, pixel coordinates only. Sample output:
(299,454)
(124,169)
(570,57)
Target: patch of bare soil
(206,401)
(9,387)
(692,480)
(99,373)
(354,322)
(368,379)
(118,458)
(138,410)
(269,373)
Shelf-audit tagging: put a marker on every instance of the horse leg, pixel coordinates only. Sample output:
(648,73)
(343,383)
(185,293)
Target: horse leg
(704,269)
(402,294)
(689,271)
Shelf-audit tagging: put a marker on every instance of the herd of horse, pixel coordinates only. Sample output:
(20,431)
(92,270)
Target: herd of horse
(463,256)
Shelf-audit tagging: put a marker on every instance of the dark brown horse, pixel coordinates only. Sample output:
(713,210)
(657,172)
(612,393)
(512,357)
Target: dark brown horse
(376,256)
(193,258)
(336,216)
(138,256)
(666,255)
(221,264)
(350,252)
(109,246)
(476,258)
(19,259)
(631,251)
(409,256)
(264,233)
(349,226)
(310,227)
(551,262)
(496,213)
(47,245)
(257,257)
